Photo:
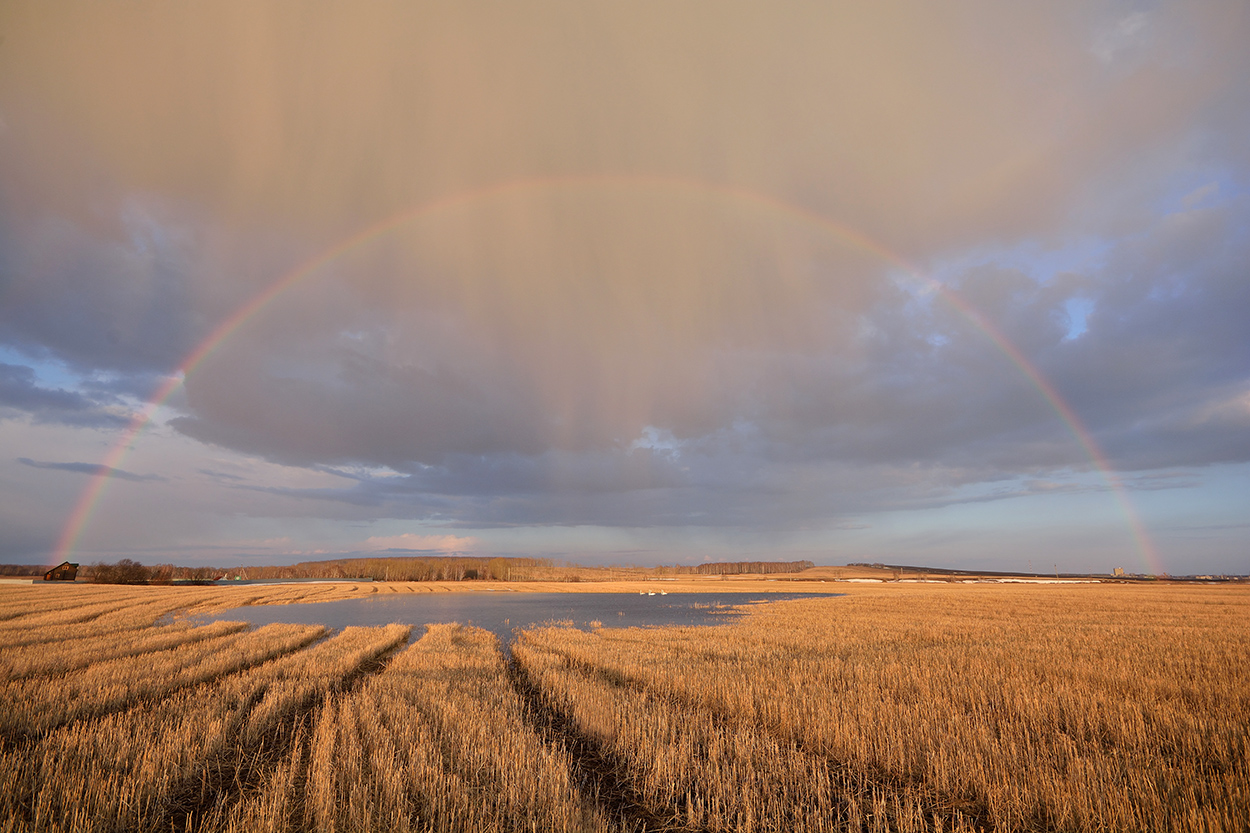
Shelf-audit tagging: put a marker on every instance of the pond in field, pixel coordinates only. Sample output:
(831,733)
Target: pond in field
(502,612)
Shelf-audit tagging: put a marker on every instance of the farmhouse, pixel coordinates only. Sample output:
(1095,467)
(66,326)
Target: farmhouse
(64,571)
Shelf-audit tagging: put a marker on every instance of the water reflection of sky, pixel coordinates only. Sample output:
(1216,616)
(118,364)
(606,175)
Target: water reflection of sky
(501,612)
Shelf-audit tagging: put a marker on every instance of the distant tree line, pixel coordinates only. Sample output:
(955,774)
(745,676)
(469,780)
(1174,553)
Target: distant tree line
(419,568)
(734,568)
(434,568)
(128,571)
(123,572)
(22,570)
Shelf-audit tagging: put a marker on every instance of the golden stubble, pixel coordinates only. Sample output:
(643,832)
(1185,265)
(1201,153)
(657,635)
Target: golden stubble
(894,707)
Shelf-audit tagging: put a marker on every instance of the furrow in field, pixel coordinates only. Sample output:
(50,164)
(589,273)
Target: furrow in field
(865,782)
(38,705)
(30,604)
(1050,709)
(74,654)
(34,624)
(595,770)
(264,748)
(153,766)
(690,773)
(437,742)
(113,618)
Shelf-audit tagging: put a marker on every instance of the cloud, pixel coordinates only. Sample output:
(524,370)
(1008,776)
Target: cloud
(514,418)
(653,267)
(1128,32)
(1196,197)
(413,542)
(886,384)
(21,395)
(93,469)
(220,475)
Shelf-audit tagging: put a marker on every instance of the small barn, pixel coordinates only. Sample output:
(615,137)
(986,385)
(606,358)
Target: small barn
(64,571)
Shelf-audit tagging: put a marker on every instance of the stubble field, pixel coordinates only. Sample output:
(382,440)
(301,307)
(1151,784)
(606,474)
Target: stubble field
(896,707)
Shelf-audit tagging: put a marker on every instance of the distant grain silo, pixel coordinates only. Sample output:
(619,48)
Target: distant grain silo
(64,571)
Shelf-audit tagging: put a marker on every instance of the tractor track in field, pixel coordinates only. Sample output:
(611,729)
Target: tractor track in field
(227,779)
(951,809)
(599,775)
(18,739)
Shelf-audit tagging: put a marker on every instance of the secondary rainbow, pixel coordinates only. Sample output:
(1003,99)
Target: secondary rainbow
(83,510)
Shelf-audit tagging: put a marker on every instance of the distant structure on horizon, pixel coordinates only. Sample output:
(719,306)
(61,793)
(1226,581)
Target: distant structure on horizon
(1118,572)
(65,571)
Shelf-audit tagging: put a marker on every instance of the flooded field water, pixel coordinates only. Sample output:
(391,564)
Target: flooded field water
(502,612)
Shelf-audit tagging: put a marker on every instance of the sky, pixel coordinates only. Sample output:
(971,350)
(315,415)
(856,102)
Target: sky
(962,285)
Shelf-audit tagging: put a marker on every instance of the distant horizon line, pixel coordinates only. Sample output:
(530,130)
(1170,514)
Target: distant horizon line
(564,563)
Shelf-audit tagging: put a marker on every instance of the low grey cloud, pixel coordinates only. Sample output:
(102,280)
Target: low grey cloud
(19,545)
(93,469)
(220,475)
(914,383)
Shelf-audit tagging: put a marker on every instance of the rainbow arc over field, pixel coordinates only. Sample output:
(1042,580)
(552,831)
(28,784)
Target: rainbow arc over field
(92,494)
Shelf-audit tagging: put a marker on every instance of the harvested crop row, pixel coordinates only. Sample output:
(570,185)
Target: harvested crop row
(438,742)
(36,600)
(1112,708)
(693,771)
(36,705)
(35,609)
(70,655)
(225,597)
(164,765)
(125,613)
(36,620)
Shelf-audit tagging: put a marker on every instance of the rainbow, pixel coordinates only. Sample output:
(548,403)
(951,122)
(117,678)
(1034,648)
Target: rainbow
(89,500)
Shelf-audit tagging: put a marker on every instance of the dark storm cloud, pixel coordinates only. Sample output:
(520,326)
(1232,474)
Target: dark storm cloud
(921,385)
(617,488)
(358,412)
(92,469)
(20,394)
